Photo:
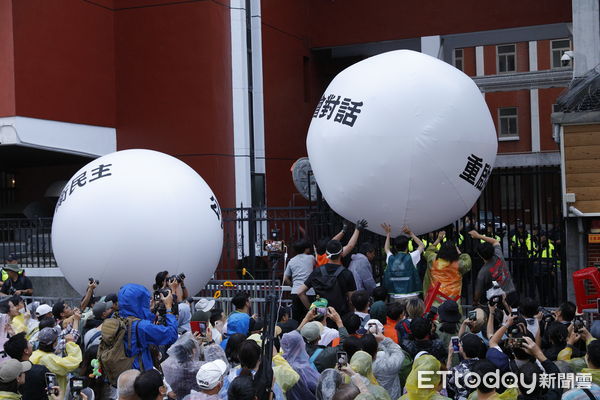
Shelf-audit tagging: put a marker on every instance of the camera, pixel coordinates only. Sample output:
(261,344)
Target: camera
(92,280)
(495,301)
(11,290)
(157,294)
(51,384)
(76,385)
(373,329)
(179,278)
(455,343)
(342,359)
(472,315)
(431,314)
(547,316)
(514,331)
(565,59)
(275,246)
(578,323)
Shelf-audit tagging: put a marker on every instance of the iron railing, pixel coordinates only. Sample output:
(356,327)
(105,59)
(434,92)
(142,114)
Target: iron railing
(29,240)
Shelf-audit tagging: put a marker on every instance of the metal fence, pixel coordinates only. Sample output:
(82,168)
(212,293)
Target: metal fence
(530,197)
(29,240)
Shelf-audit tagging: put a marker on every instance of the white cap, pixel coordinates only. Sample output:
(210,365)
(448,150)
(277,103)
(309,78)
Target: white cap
(210,374)
(43,310)
(204,304)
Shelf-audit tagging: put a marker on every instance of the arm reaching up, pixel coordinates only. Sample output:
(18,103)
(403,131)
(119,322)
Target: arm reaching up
(360,225)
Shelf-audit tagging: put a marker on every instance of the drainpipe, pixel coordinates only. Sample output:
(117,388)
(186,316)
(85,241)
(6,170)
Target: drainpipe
(580,216)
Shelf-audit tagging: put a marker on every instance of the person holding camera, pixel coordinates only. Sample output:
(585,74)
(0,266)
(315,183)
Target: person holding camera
(173,282)
(134,301)
(61,366)
(16,283)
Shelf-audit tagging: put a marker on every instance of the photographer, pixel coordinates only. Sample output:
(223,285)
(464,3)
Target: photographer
(133,302)
(174,282)
(16,282)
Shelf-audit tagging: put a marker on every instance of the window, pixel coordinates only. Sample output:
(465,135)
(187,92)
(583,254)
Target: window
(507,122)
(258,191)
(555,108)
(507,54)
(458,59)
(558,47)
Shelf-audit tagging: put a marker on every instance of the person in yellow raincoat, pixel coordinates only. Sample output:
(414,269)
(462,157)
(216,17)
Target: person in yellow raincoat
(61,366)
(446,266)
(429,367)
(20,319)
(362,363)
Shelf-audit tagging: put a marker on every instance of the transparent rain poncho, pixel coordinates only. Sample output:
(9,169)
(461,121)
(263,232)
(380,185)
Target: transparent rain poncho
(294,351)
(181,366)
(328,384)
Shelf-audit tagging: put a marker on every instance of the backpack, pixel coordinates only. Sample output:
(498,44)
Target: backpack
(111,351)
(327,287)
(401,275)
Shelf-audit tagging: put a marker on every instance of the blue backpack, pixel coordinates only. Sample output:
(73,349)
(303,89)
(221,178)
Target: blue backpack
(401,275)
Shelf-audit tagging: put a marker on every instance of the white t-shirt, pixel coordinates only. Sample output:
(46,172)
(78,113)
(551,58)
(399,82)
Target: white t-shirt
(415,255)
(299,268)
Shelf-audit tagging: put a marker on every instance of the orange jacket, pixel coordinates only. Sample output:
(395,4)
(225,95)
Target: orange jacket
(389,329)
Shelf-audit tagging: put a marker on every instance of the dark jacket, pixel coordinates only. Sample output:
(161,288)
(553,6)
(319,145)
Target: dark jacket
(134,301)
(35,383)
(434,347)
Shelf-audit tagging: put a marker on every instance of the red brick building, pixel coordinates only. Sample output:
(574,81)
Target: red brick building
(231,93)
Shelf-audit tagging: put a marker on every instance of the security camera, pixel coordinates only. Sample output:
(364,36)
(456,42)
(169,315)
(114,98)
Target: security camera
(566,58)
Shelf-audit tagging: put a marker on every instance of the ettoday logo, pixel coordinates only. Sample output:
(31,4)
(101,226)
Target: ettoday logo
(496,380)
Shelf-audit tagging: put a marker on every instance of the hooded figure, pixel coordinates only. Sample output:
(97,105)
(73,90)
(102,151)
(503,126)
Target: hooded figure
(185,316)
(294,351)
(362,363)
(134,301)
(182,365)
(328,384)
(430,364)
(236,323)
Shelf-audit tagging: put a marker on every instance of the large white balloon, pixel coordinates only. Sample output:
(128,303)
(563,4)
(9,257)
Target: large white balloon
(128,215)
(402,138)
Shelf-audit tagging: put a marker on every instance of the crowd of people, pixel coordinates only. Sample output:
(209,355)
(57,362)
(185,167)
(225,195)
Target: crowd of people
(345,335)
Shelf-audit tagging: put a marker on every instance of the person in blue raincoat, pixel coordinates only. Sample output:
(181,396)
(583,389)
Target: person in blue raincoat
(236,323)
(134,301)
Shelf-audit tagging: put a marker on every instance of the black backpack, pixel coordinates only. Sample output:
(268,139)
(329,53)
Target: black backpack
(326,286)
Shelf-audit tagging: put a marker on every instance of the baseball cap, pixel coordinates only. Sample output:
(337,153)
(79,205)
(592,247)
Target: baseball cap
(209,375)
(312,331)
(100,307)
(12,257)
(43,310)
(204,305)
(11,369)
(12,267)
(47,336)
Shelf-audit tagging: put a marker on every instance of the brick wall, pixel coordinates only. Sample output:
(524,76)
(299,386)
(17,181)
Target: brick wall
(593,254)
